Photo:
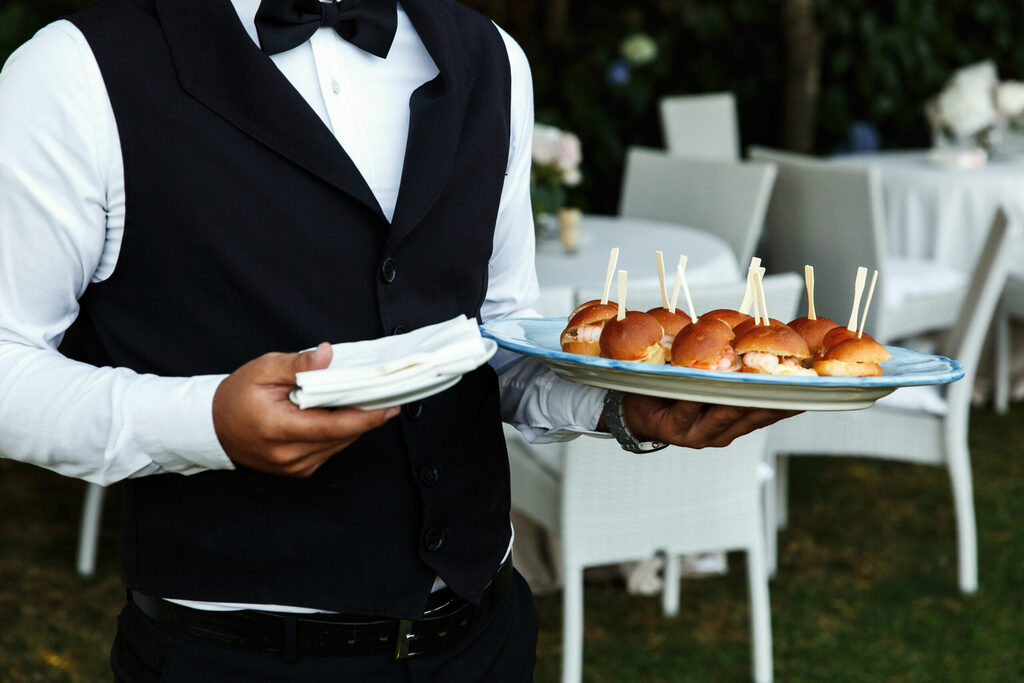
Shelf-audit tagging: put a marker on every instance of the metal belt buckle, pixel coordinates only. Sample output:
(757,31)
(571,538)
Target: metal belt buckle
(405,636)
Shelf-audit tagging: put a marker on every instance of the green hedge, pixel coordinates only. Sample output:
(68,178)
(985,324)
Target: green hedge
(880,62)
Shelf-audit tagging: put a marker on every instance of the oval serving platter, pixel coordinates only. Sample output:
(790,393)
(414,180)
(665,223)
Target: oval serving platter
(539,337)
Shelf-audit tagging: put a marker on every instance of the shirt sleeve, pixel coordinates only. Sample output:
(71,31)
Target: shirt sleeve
(542,406)
(61,194)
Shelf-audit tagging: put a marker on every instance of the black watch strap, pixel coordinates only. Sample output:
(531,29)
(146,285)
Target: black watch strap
(618,429)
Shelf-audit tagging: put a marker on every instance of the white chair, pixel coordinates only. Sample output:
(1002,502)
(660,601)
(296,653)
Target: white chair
(89,529)
(608,506)
(831,217)
(701,126)
(1011,305)
(727,198)
(922,425)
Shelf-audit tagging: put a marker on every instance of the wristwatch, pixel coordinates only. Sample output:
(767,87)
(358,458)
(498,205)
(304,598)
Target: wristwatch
(617,426)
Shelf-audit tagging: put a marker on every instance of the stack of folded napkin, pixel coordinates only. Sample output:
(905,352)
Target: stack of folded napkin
(379,373)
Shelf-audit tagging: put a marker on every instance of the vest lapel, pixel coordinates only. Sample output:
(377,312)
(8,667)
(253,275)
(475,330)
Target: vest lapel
(436,113)
(219,65)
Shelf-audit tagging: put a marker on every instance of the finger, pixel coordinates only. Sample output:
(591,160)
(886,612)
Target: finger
(328,425)
(315,359)
(302,462)
(661,419)
(750,421)
(712,422)
(281,368)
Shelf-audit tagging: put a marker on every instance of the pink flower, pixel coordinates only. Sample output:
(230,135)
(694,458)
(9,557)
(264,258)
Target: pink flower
(570,152)
(546,142)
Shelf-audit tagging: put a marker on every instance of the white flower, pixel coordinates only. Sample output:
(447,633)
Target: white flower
(546,142)
(967,108)
(1010,98)
(572,177)
(570,152)
(982,76)
(639,48)
(967,104)
(559,151)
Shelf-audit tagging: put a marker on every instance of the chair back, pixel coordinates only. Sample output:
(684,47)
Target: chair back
(829,216)
(965,340)
(701,126)
(727,198)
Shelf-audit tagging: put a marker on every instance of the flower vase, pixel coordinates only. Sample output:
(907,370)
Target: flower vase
(569,228)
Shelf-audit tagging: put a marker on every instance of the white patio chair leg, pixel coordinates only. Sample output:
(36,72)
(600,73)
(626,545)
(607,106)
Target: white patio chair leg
(782,491)
(770,504)
(963,499)
(88,533)
(1002,363)
(670,590)
(760,615)
(572,624)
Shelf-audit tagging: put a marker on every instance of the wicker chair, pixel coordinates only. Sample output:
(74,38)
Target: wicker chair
(1011,306)
(727,198)
(701,126)
(830,216)
(917,424)
(608,506)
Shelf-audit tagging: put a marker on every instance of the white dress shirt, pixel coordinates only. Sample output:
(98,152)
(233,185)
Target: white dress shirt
(62,214)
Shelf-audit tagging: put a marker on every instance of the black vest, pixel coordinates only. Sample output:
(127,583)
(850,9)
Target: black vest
(250,230)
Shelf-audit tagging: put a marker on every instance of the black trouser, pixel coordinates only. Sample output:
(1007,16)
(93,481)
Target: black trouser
(502,649)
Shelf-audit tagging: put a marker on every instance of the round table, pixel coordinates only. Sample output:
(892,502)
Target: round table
(943,213)
(561,274)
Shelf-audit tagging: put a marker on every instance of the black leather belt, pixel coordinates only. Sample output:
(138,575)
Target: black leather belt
(447,620)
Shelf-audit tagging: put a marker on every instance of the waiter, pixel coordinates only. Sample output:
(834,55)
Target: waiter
(204,182)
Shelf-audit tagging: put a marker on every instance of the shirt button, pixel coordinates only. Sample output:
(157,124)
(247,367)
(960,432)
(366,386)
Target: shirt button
(434,538)
(387,270)
(398,330)
(335,87)
(414,410)
(429,474)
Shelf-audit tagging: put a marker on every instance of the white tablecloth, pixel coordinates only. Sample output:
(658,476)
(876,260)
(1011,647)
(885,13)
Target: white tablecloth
(709,259)
(944,213)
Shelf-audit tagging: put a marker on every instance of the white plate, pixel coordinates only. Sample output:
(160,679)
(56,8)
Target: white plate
(540,337)
(393,399)
(393,393)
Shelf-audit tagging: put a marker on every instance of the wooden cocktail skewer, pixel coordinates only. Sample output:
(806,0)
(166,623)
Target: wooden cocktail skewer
(744,308)
(809,281)
(675,291)
(867,302)
(686,290)
(613,260)
(622,296)
(760,296)
(752,303)
(858,290)
(660,260)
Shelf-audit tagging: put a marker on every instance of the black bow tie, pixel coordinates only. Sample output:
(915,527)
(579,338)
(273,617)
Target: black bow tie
(367,24)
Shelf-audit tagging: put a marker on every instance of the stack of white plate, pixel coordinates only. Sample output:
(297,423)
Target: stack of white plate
(394,370)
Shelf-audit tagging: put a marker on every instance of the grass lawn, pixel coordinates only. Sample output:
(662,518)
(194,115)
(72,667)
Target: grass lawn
(866,588)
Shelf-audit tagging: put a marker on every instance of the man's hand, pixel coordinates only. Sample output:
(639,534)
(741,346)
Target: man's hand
(259,427)
(692,424)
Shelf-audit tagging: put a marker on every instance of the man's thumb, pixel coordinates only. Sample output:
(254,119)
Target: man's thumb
(315,359)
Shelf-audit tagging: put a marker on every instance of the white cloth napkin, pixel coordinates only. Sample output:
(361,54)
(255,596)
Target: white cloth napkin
(390,370)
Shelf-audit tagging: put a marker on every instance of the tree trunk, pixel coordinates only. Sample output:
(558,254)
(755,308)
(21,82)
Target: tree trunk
(803,74)
(558,15)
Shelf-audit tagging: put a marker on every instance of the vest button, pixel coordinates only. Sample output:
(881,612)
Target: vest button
(434,538)
(429,474)
(414,410)
(398,330)
(387,270)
